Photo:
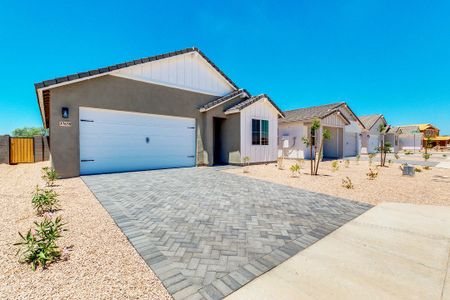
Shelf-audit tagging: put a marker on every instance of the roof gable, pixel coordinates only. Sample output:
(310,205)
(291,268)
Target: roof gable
(119,68)
(247,102)
(370,120)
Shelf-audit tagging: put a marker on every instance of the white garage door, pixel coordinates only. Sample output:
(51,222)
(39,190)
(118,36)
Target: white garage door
(351,144)
(118,141)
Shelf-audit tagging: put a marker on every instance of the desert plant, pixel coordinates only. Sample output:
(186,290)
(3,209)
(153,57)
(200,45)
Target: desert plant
(38,245)
(396,155)
(347,163)
(49,175)
(45,200)
(246,163)
(371,157)
(280,161)
(326,135)
(358,157)
(444,155)
(408,152)
(347,183)
(426,156)
(390,161)
(426,168)
(372,174)
(295,169)
(334,165)
(418,170)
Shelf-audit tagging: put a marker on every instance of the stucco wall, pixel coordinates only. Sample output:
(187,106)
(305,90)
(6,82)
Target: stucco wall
(116,93)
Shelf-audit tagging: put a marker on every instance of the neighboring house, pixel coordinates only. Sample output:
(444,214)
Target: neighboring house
(338,118)
(172,110)
(372,137)
(414,137)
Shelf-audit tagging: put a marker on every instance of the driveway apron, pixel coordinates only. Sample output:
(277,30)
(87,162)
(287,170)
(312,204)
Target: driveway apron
(206,233)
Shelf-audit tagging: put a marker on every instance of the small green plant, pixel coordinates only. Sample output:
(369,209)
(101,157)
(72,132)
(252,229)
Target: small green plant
(246,163)
(418,170)
(295,169)
(334,165)
(358,157)
(426,168)
(38,245)
(426,156)
(347,183)
(280,164)
(347,163)
(408,152)
(396,155)
(444,155)
(373,174)
(390,162)
(45,200)
(371,157)
(49,175)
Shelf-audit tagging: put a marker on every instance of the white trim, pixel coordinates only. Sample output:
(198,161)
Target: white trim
(237,95)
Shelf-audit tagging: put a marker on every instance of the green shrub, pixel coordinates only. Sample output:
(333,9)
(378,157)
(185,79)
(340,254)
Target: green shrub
(371,157)
(426,156)
(408,152)
(334,165)
(347,163)
(372,174)
(358,157)
(347,183)
(418,170)
(426,167)
(295,169)
(45,200)
(49,175)
(38,245)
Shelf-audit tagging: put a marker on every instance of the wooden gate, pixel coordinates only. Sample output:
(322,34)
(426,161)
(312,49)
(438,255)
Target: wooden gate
(21,150)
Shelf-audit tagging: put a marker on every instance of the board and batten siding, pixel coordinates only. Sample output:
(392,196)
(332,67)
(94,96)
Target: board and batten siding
(262,110)
(333,120)
(188,71)
(293,132)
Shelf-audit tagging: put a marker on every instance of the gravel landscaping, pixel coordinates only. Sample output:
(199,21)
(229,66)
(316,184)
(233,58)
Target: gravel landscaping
(427,187)
(102,264)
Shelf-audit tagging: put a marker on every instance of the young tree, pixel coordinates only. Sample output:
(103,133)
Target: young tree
(384,147)
(326,135)
(311,142)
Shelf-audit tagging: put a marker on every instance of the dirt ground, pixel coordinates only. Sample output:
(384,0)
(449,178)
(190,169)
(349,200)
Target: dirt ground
(102,264)
(427,187)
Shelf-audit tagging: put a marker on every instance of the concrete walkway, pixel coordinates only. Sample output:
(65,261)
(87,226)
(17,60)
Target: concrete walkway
(393,251)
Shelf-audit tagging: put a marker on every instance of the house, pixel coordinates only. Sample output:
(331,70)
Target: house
(344,126)
(415,137)
(172,110)
(372,136)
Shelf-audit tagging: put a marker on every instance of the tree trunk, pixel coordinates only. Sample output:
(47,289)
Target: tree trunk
(311,156)
(318,158)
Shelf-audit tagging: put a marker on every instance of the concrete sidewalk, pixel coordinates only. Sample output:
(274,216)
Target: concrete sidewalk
(393,251)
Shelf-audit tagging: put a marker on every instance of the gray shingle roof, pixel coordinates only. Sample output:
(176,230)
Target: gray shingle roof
(244,103)
(47,83)
(370,120)
(308,113)
(224,99)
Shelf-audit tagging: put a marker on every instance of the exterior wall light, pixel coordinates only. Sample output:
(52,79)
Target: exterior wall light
(65,112)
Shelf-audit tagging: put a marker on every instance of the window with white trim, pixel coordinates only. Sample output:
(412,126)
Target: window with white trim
(260,132)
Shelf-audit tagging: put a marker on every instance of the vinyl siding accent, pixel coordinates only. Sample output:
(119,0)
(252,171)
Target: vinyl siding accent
(262,110)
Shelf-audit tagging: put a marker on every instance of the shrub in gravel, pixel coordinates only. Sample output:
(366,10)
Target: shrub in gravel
(334,165)
(347,163)
(38,246)
(372,174)
(295,169)
(49,175)
(347,183)
(246,163)
(371,157)
(45,200)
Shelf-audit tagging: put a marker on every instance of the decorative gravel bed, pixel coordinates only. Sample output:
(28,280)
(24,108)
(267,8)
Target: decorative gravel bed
(427,187)
(102,264)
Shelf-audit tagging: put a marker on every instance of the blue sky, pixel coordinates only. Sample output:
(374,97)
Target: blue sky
(389,57)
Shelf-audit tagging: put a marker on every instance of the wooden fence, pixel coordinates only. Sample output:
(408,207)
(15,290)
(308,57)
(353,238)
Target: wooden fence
(14,150)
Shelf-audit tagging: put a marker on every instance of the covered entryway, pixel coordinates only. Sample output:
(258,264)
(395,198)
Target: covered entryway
(332,148)
(119,141)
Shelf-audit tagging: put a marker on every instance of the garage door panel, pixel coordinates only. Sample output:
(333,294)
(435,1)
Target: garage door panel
(116,141)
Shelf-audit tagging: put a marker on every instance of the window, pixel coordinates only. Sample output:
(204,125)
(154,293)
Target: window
(260,132)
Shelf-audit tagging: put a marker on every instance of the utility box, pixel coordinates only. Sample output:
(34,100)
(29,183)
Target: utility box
(408,170)
(285,141)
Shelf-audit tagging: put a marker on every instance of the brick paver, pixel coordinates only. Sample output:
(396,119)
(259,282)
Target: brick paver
(206,233)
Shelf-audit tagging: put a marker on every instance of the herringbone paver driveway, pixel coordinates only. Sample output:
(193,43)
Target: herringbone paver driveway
(206,233)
